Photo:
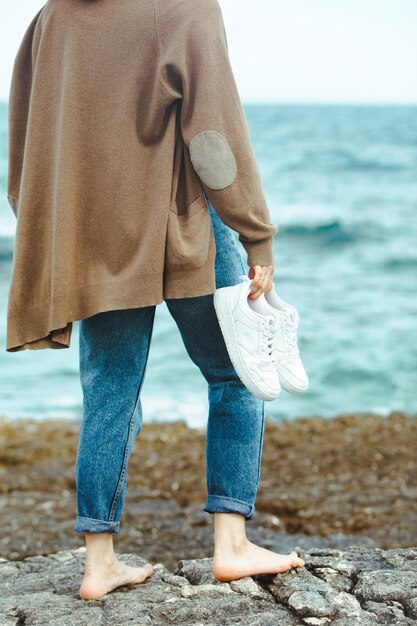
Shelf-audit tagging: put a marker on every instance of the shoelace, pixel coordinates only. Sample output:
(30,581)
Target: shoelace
(267,339)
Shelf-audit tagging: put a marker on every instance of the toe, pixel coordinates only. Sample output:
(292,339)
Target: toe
(296,561)
(146,571)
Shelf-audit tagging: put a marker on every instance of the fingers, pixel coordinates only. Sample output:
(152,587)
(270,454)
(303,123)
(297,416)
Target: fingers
(262,280)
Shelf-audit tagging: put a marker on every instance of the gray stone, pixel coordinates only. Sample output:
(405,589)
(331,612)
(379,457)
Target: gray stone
(277,617)
(382,586)
(249,587)
(345,604)
(201,591)
(410,607)
(350,561)
(358,586)
(223,608)
(310,604)
(196,571)
(363,620)
(404,558)
(334,578)
(386,614)
(282,586)
(133,611)
(173,579)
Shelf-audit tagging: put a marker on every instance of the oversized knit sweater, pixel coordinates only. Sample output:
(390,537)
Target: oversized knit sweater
(123,114)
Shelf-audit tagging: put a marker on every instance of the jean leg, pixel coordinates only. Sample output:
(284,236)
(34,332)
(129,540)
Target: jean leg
(228,262)
(236,419)
(114,349)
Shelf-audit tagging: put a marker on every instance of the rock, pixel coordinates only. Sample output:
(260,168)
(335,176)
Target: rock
(282,586)
(249,587)
(310,604)
(345,604)
(197,571)
(411,608)
(359,621)
(385,613)
(173,579)
(204,591)
(384,586)
(357,586)
(335,578)
(349,561)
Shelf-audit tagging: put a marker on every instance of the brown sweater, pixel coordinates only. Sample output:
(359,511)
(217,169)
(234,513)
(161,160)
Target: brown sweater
(121,115)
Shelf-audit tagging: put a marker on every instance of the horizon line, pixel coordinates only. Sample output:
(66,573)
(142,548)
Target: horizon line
(315,102)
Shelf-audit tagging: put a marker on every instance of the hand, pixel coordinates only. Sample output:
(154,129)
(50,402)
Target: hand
(259,286)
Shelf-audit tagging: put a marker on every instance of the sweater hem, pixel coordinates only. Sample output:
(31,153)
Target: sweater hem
(27,332)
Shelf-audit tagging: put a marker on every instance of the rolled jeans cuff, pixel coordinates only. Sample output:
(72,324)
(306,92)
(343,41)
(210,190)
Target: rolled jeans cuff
(91,525)
(224,504)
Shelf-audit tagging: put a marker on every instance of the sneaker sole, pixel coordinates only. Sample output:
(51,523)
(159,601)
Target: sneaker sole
(220,299)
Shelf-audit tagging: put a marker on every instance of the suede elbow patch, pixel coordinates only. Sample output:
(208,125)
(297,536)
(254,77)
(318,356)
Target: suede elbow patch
(213,159)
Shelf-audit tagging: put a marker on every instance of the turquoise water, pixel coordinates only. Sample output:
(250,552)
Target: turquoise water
(341,183)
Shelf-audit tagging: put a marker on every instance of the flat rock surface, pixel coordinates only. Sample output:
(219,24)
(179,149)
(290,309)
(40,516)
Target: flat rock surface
(346,587)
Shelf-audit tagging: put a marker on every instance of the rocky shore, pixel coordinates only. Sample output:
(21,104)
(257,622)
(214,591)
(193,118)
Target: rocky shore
(356,586)
(324,483)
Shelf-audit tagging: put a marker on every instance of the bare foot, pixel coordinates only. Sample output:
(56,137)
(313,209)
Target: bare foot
(250,559)
(100,581)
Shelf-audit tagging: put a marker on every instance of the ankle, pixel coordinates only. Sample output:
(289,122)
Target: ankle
(100,551)
(232,546)
(94,563)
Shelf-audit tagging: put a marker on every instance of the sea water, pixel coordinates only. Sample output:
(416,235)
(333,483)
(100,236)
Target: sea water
(341,185)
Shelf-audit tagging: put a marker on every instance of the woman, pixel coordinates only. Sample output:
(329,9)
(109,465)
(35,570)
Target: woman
(128,152)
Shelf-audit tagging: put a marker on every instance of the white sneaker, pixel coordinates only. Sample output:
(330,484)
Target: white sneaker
(292,375)
(249,329)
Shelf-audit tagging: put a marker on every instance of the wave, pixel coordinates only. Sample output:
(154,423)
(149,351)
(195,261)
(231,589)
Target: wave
(331,232)
(6,248)
(344,161)
(400,264)
(350,162)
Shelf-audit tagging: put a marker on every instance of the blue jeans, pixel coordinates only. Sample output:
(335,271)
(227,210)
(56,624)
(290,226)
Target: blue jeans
(114,348)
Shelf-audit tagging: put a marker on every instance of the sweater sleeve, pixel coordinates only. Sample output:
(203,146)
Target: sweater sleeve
(195,68)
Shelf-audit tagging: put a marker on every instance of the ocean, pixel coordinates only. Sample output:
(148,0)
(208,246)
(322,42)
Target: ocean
(341,184)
